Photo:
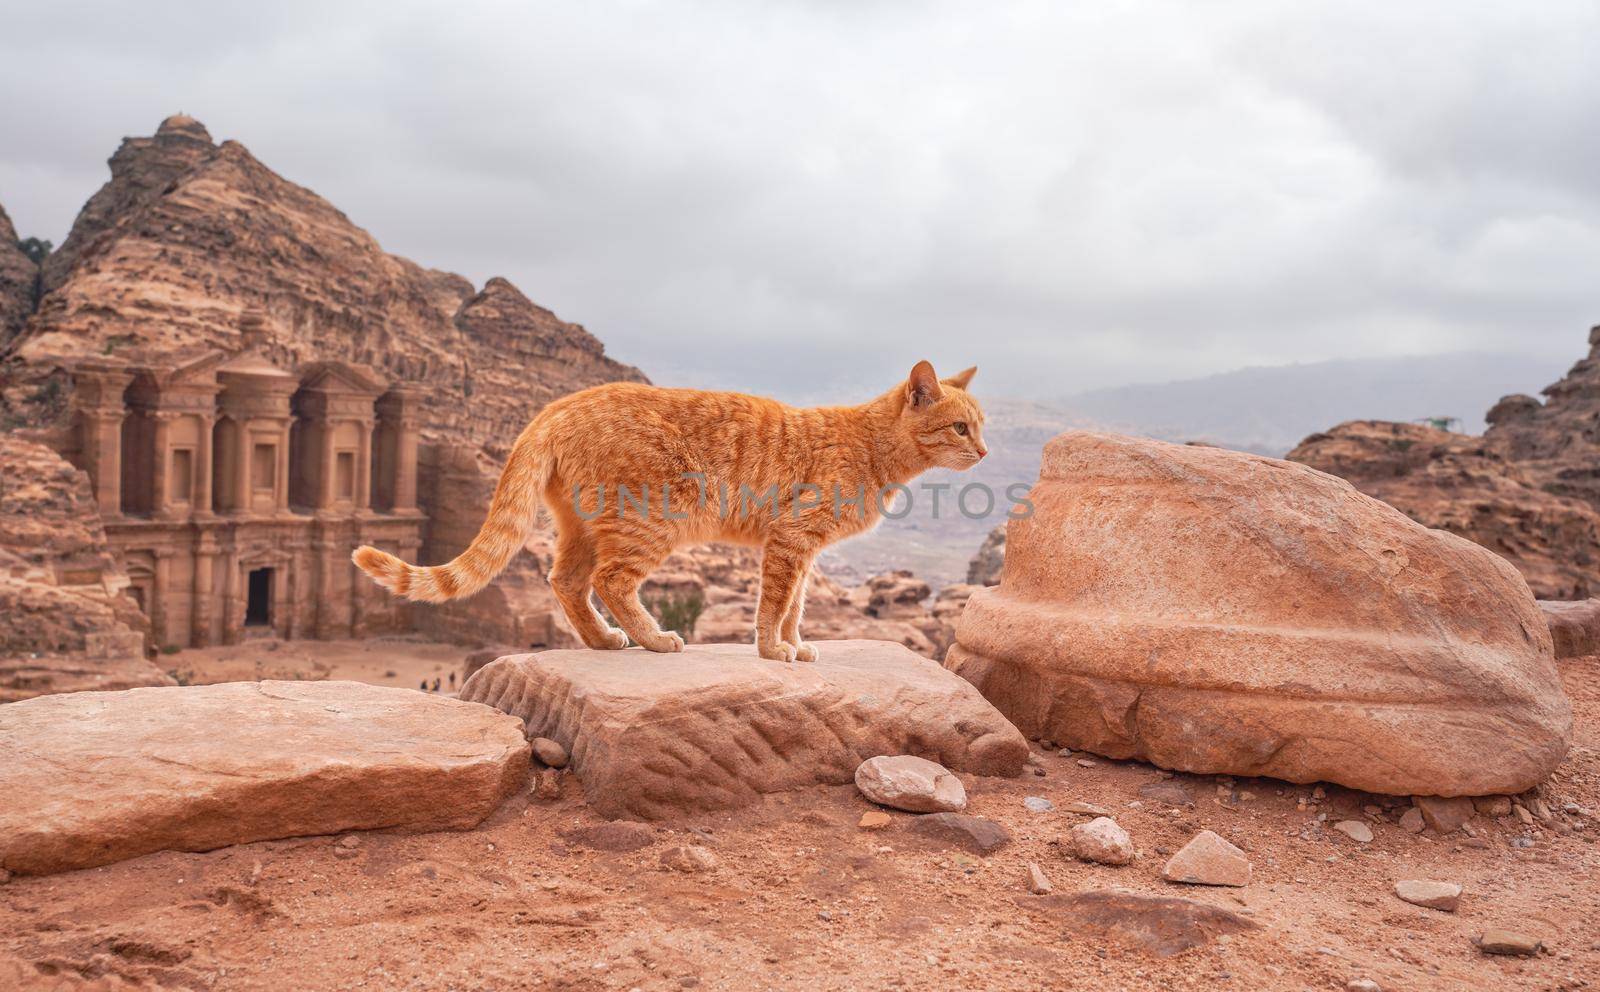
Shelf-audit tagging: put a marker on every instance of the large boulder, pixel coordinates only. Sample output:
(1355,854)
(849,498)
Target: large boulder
(89,778)
(653,736)
(1219,612)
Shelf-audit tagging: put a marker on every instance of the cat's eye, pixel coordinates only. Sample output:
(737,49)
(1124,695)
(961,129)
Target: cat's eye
(960,428)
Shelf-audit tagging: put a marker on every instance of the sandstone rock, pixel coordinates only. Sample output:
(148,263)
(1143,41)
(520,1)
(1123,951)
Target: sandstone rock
(1444,896)
(1411,821)
(715,727)
(1086,809)
(553,755)
(19,278)
(1444,815)
(1509,942)
(974,833)
(93,778)
(1167,792)
(1574,627)
(1355,830)
(1155,925)
(1491,805)
(874,819)
(1362,985)
(1102,841)
(547,784)
(914,784)
(1038,883)
(1471,487)
(1292,603)
(616,837)
(984,569)
(1037,804)
(1208,859)
(689,858)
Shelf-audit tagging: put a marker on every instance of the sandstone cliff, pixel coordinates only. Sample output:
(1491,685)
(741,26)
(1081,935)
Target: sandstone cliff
(18,279)
(188,235)
(68,623)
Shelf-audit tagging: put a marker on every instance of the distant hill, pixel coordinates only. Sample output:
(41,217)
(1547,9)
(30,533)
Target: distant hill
(1272,409)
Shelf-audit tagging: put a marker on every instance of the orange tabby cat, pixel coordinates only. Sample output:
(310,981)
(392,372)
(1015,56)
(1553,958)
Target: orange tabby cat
(631,472)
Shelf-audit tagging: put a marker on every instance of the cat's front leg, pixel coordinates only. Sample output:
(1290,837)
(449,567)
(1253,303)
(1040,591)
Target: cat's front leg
(782,567)
(791,619)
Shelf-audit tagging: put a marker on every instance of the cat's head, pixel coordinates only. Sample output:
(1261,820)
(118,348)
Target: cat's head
(941,419)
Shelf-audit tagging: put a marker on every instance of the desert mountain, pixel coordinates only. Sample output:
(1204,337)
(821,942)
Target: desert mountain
(188,236)
(1528,488)
(18,276)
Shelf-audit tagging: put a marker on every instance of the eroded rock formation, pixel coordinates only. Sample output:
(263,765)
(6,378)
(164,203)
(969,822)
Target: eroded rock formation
(18,282)
(656,735)
(1214,611)
(65,621)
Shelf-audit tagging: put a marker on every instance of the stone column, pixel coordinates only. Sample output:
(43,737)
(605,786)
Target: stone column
(280,489)
(325,464)
(363,479)
(200,609)
(102,456)
(161,457)
(161,589)
(241,465)
(202,467)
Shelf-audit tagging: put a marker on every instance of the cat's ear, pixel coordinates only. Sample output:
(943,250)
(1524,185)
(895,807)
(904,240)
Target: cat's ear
(922,388)
(960,379)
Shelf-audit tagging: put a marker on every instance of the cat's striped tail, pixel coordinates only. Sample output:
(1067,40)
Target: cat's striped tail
(511,516)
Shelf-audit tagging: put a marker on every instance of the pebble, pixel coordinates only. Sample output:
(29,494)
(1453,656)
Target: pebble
(1038,804)
(689,858)
(1362,985)
(547,784)
(1166,791)
(1492,805)
(1038,883)
(1065,752)
(1508,942)
(917,785)
(1086,809)
(1086,763)
(1102,841)
(347,846)
(1208,859)
(1355,830)
(1443,896)
(1411,821)
(548,751)
(875,819)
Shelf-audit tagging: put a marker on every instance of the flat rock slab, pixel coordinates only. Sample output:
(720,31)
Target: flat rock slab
(1154,925)
(89,778)
(653,736)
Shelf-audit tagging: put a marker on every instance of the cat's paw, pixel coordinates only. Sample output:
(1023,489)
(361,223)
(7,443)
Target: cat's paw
(777,651)
(611,640)
(805,652)
(666,642)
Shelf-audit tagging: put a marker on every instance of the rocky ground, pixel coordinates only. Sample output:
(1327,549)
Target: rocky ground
(798,896)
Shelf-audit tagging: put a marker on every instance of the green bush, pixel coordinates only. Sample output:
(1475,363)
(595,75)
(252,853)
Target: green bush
(679,613)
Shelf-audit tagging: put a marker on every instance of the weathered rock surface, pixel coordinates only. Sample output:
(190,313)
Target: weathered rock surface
(905,781)
(985,566)
(1443,896)
(1445,815)
(18,276)
(1218,612)
(974,833)
(1574,626)
(65,623)
(1509,942)
(1159,926)
(1468,486)
(91,778)
(1102,841)
(715,727)
(1208,859)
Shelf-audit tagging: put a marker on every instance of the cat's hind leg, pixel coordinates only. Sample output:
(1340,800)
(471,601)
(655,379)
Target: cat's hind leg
(782,567)
(791,620)
(570,579)
(623,561)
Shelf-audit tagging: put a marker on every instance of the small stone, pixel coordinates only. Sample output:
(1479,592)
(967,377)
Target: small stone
(1038,884)
(552,754)
(1102,841)
(1495,806)
(347,847)
(1508,942)
(824,916)
(547,784)
(1086,809)
(1362,985)
(907,782)
(1038,804)
(689,858)
(1208,859)
(1444,815)
(1355,830)
(1443,896)
(349,840)
(1065,752)
(1411,821)
(1086,763)
(874,819)
(1039,773)
(974,833)
(1168,792)
(1522,814)
(1319,793)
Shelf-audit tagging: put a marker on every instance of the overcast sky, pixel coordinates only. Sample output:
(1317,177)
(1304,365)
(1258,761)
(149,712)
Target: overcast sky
(804,198)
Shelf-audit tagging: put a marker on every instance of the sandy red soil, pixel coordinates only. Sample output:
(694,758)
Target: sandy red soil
(803,899)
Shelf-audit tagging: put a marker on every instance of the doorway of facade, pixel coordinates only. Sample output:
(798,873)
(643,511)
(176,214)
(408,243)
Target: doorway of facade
(258,605)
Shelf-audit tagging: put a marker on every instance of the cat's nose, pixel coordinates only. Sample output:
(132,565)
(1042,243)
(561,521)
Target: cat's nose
(982,451)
